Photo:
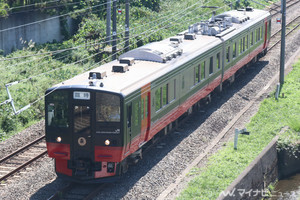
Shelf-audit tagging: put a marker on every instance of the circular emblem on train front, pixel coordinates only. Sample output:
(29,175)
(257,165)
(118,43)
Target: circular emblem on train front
(81,141)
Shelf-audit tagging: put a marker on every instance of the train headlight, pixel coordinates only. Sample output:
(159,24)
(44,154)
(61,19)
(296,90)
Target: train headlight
(107,142)
(58,139)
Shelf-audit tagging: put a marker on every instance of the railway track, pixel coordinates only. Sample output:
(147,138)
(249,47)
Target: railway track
(290,27)
(18,160)
(275,8)
(75,191)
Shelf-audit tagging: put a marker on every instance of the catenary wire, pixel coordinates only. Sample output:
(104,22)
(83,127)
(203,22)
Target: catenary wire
(85,45)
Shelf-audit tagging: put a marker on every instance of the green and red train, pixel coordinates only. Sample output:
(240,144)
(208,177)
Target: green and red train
(98,122)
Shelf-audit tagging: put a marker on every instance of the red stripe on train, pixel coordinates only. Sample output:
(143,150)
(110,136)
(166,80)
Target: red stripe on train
(58,150)
(179,110)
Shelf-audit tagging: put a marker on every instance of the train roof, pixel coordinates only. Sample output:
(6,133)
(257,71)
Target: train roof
(143,65)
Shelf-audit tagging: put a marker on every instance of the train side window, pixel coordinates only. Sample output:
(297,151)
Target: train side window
(202,71)
(136,114)
(261,32)
(158,99)
(143,109)
(165,93)
(251,38)
(256,35)
(129,114)
(146,106)
(197,74)
(211,65)
(228,54)
(241,45)
(269,29)
(258,32)
(246,43)
(234,50)
(174,88)
(218,61)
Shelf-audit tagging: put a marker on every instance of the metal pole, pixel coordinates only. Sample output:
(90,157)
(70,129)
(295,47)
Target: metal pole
(282,52)
(236,135)
(127,26)
(114,45)
(108,21)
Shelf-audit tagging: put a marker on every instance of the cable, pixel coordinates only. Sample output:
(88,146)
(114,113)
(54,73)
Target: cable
(42,97)
(12,8)
(102,51)
(141,33)
(78,11)
(72,48)
(42,8)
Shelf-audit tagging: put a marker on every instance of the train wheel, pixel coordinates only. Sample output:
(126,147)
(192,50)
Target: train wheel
(190,110)
(124,166)
(254,59)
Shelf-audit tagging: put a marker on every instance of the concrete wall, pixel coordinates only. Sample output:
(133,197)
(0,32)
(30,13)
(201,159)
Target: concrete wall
(288,163)
(40,33)
(253,182)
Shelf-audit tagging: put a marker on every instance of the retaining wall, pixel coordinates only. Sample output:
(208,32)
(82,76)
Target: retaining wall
(289,163)
(254,180)
(46,31)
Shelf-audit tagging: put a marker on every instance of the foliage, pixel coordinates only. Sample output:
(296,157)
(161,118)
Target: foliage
(227,164)
(3,8)
(154,5)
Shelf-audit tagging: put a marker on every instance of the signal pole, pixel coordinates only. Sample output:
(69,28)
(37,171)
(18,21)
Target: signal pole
(127,26)
(114,44)
(108,21)
(282,52)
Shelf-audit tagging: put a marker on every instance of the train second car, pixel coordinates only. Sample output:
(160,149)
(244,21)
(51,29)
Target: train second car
(98,122)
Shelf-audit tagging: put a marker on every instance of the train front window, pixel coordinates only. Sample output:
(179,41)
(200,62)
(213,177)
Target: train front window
(82,119)
(107,108)
(57,109)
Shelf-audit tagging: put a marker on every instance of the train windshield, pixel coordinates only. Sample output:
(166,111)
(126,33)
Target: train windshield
(57,109)
(107,108)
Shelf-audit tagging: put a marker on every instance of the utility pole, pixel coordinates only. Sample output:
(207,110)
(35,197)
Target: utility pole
(114,44)
(108,21)
(127,26)
(282,52)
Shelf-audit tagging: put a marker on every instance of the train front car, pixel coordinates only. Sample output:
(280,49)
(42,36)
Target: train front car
(83,133)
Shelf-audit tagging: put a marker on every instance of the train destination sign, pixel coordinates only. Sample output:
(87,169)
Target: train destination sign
(81,95)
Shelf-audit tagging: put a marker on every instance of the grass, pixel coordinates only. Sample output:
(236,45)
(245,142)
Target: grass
(225,166)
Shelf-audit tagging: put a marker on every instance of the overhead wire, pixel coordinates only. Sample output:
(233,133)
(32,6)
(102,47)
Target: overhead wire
(57,87)
(42,8)
(84,45)
(29,5)
(67,14)
(66,49)
(100,52)
(119,44)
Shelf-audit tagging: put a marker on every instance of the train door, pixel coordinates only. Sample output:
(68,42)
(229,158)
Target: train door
(128,127)
(266,34)
(145,113)
(82,137)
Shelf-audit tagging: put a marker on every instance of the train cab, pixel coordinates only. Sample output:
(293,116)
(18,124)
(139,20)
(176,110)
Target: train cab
(84,132)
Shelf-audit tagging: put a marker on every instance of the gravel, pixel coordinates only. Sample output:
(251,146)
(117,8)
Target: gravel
(161,166)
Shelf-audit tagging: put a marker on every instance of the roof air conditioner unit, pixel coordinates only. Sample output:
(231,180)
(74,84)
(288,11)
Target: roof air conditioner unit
(128,60)
(120,68)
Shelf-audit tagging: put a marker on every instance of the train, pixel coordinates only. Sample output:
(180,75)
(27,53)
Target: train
(98,122)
